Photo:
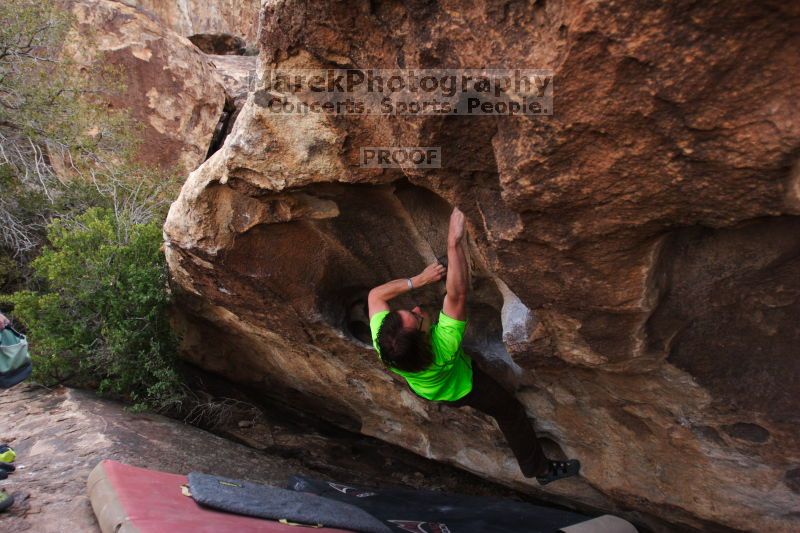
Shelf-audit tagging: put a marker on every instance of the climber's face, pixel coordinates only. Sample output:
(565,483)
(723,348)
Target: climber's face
(415,319)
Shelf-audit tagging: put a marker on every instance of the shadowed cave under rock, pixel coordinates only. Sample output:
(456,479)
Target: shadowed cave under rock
(400,228)
(317,264)
(379,233)
(421,217)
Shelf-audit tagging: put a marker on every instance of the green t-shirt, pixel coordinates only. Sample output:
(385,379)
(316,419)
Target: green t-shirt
(449,378)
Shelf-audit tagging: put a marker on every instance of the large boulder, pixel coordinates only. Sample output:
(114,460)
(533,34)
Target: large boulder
(170,88)
(635,256)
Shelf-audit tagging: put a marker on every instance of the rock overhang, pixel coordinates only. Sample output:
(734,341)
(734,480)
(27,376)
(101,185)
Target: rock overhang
(599,239)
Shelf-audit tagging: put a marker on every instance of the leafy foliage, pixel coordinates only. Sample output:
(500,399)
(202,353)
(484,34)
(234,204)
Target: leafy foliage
(94,300)
(102,317)
(54,129)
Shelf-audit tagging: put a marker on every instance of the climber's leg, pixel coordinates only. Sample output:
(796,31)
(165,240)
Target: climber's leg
(490,398)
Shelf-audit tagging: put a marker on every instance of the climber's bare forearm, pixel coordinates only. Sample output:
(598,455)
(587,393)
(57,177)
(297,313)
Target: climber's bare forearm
(378,299)
(457,270)
(455,301)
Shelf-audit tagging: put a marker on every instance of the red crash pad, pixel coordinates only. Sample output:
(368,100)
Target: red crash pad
(127,499)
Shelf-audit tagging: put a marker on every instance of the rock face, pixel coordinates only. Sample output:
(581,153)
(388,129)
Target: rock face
(171,89)
(635,256)
(238,74)
(237,18)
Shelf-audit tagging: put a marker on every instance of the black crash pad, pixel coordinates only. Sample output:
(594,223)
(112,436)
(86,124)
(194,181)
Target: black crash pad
(424,511)
(264,501)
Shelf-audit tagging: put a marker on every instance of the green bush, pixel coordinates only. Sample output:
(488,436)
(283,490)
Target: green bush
(81,217)
(100,319)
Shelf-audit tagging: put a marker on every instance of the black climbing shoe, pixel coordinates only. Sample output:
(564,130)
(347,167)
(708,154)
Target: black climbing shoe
(6,501)
(8,467)
(560,470)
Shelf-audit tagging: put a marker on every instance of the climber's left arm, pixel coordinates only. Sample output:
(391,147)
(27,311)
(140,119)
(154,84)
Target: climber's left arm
(378,299)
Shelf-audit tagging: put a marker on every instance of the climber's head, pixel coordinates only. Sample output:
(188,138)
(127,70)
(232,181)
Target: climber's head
(403,340)
(415,319)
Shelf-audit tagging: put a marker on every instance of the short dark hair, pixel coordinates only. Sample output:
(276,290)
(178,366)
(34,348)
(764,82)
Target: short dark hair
(402,349)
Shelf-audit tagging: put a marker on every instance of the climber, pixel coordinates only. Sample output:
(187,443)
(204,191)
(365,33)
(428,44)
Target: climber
(430,358)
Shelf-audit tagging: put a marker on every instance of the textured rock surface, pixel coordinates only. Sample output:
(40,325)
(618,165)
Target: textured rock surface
(636,254)
(170,87)
(61,435)
(190,17)
(238,74)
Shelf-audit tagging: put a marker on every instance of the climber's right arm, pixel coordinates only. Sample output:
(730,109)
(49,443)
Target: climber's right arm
(455,301)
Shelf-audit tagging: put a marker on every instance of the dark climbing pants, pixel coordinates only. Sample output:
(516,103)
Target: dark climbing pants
(487,396)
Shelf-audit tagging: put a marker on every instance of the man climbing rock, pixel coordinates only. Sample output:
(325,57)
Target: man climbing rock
(430,358)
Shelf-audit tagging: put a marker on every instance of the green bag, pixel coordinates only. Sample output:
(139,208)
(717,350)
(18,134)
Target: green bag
(15,362)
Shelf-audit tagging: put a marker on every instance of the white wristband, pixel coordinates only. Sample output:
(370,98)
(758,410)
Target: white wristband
(410,284)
